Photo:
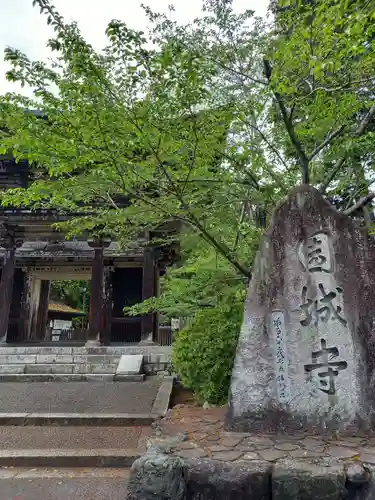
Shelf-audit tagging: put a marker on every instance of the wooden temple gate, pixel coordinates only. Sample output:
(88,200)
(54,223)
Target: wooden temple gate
(32,254)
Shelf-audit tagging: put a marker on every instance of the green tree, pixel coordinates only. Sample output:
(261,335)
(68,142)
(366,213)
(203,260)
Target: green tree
(208,128)
(186,131)
(74,293)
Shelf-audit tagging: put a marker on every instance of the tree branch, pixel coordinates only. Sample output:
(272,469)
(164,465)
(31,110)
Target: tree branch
(225,252)
(266,140)
(365,122)
(358,132)
(304,161)
(331,175)
(240,221)
(345,87)
(326,142)
(360,204)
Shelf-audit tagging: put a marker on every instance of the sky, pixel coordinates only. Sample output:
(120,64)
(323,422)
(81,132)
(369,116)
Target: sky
(24,28)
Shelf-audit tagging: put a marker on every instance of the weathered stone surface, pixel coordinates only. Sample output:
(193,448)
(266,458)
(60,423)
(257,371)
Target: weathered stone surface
(306,353)
(230,442)
(295,480)
(193,453)
(208,480)
(341,452)
(271,454)
(250,456)
(286,446)
(227,456)
(156,476)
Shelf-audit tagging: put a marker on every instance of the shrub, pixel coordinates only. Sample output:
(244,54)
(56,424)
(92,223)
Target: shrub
(203,352)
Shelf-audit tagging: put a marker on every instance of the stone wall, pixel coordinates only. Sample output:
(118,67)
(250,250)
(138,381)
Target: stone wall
(159,476)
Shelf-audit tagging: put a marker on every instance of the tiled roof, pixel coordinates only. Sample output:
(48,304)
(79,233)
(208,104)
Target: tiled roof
(63,308)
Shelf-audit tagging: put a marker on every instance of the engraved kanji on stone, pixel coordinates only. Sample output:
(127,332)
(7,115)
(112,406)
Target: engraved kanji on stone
(330,368)
(317,255)
(322,309)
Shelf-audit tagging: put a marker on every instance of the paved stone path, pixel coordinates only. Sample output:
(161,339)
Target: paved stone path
(205,437)
(79,397)
(53,437)
(63,484)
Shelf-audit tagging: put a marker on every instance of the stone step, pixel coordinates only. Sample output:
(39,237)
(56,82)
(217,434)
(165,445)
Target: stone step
(79,368)
(56,358)
(109,350)
(57,377)
(82,436)
(63,483)
(68,457)
(68,421)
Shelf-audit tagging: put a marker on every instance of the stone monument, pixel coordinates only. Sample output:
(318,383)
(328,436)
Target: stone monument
(306,352)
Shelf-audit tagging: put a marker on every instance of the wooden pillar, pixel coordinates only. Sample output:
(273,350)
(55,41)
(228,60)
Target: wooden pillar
(6,284)
(25,307)
(96,299)
(148,291)
(106,320)
(34,308)
(15,327)
(42,312)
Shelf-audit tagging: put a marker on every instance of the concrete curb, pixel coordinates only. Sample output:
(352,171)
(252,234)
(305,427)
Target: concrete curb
(68,458)
(78,419)
(163,397)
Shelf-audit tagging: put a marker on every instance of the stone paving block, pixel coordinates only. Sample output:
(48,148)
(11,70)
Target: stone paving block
(227,456)
(129,378)
(230,442)
(15,359)
(303,453)
(101,368)
(49,368)
(313,444)
(295,479)
(54,358)
(216,448)
(95,377)
(80,358)
(13,350)
(250,456)
(368,458)
(192,453)
(341,452)
(287,446)
(271,455)
(79,368)
(55,350)
(209,480)
(257,440)
(12,368)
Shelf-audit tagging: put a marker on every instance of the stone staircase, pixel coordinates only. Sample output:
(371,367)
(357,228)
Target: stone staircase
(60,363)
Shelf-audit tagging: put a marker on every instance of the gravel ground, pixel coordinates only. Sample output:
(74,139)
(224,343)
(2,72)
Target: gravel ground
(79,397)
(21,438)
